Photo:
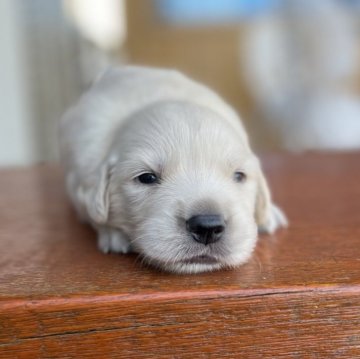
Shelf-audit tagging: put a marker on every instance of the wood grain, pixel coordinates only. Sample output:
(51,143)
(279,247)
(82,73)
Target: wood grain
(298,297)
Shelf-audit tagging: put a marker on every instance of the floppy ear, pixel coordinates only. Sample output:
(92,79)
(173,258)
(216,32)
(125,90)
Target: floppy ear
(268,216)
(96,196)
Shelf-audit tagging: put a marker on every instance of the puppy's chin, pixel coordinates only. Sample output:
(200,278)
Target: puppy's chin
(197,264)
(185,267)
(192,268)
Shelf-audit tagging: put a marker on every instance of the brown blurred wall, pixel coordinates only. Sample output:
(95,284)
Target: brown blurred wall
(207,54)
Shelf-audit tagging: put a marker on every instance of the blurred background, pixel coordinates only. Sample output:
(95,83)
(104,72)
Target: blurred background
(290,67)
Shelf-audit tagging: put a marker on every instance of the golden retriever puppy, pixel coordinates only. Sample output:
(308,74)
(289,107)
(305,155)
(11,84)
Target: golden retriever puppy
(160,165)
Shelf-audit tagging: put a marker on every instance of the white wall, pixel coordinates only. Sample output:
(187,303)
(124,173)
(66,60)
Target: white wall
(41,75)
(16,140)
(45,65)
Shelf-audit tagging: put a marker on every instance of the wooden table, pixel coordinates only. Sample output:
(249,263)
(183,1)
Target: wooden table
(299,296)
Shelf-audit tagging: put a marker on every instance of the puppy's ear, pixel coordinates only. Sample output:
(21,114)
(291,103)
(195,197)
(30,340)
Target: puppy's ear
(96,196)
(268,216)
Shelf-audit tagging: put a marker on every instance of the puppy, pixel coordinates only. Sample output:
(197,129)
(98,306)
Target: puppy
(160,165)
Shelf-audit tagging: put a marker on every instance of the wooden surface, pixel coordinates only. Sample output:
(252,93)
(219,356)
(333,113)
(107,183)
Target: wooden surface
(299,296)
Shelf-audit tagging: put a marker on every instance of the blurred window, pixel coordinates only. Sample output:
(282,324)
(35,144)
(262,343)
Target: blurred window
(184,12)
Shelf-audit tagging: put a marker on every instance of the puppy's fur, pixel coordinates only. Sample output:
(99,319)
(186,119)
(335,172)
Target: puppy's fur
(137,120)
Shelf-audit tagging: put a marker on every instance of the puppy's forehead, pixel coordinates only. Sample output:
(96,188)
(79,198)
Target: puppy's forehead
(170,134)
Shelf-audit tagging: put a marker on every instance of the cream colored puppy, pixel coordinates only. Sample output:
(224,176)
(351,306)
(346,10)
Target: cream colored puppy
(161,165)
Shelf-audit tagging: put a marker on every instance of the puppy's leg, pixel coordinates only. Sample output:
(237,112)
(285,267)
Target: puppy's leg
(275,219)
(112,240)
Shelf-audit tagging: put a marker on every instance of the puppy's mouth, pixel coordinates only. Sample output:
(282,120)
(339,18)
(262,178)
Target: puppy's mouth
(201,259)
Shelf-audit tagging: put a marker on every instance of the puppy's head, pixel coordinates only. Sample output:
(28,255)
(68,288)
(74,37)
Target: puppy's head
(183,184)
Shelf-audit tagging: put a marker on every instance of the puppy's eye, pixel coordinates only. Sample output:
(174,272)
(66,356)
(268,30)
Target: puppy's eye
(239,176)
(148,178)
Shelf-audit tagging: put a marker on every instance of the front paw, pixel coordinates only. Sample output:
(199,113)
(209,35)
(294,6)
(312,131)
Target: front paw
(113,241)
(276,219)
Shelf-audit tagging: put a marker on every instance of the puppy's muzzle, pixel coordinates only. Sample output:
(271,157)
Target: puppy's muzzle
(206,229)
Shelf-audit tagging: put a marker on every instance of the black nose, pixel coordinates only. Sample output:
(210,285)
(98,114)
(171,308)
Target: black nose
(206,229)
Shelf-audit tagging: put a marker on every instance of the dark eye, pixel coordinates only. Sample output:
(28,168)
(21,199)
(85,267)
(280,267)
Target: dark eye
(148,178)
(239,176)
